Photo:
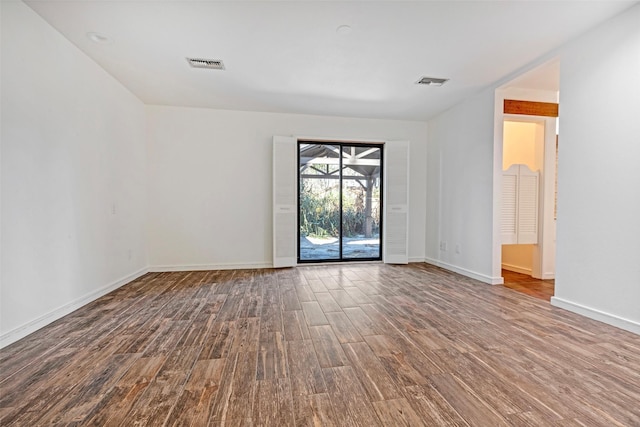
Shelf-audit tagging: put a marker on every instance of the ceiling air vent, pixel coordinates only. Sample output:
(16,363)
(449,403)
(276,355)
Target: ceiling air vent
(431,81)
(213,64)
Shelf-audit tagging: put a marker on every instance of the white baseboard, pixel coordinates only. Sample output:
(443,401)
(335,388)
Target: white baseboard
(15,334)
(253,266)
(205,267)
(468,273)
(517,269)
(601,316)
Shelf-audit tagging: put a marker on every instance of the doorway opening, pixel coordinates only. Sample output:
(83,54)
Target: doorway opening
(528,239)
(339,201)
(523,144)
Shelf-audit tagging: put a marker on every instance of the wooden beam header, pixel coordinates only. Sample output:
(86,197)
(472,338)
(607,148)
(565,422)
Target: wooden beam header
(530,108)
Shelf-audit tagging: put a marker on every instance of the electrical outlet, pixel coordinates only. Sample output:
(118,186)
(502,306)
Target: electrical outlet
(443,246)
(457,248)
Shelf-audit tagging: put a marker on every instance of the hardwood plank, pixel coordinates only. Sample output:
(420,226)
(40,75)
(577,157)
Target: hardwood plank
(142,371)
(271,319)
(342,298)
(236,422)
(193,405)
(342,327)
(394,361)
(317,286)
(219,408)
(327,347)
(529,419)
(314,314)
(495,392)
(295,326)
(198,331)
(331,283)
(89,391)
(274,405)
(206,374)
(33,377)
(352,407)
(369,288)
(457,394)
(246,332)
(251,306)
(219,341)
(270,290)
(290,299)
(397,412)
(375,380)
(166,340)
(305,372)
(358,296)
(115,406)
(432,407)
(314,410)
(155,404)
(363,323)
(272,360)
(235,398)
(305,293)
(327,303)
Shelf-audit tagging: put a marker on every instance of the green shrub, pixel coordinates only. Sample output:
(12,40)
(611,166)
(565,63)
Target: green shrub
(320,214)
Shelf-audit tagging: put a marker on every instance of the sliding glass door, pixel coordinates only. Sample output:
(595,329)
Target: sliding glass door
(339,201)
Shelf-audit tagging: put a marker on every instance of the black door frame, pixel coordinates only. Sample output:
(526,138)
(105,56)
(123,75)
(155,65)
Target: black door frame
(342,144)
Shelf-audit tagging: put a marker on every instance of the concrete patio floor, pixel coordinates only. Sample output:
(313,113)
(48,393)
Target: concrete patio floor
(328,248)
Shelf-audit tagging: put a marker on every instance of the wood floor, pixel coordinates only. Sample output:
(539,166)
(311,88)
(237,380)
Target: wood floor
(543,289)
(349,345)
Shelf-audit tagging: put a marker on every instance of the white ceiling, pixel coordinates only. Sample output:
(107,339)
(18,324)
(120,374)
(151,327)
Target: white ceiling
(287,56)
(544,77)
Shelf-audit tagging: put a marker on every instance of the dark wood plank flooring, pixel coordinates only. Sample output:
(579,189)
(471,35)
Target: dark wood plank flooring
(543,289)
(345,345)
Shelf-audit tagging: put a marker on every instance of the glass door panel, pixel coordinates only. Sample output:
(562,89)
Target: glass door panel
(319,200)
(361,202)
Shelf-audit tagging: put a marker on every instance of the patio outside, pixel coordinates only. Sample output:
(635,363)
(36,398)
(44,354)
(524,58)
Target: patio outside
(339,199)
(329,247)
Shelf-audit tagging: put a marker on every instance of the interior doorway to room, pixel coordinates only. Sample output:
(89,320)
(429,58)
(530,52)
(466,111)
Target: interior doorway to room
(532,99)
(528,264)
(523,144)
(339,201)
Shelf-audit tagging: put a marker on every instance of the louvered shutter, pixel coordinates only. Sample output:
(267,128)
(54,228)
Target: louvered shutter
(509,227)
(284,202)
(396,201)
(520,205)
(527,206)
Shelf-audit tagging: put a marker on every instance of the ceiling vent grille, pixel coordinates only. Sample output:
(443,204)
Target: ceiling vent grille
(431,81)
(212,64)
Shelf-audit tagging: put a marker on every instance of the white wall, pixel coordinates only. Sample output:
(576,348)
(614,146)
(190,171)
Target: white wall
(598,242)
(460,188)
(210,181)
(523,144)
(73,177)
